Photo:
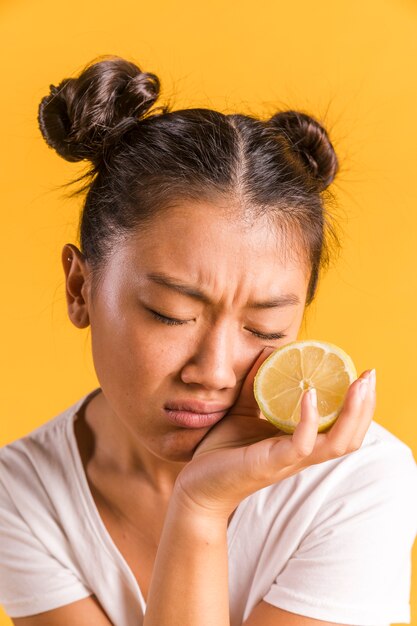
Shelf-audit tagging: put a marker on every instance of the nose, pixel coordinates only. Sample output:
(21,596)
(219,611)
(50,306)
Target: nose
(213,361)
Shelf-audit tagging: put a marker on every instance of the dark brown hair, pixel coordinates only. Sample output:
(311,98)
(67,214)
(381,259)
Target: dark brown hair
(144,160)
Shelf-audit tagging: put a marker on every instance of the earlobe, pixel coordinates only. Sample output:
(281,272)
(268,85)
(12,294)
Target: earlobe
(76,285)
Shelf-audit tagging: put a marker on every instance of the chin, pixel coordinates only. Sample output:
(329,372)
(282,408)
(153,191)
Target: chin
(180,446)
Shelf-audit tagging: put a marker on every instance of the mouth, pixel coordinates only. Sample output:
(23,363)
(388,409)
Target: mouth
(194,414)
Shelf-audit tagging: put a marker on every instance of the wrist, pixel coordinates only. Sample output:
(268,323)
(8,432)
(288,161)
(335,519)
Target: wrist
(196,517)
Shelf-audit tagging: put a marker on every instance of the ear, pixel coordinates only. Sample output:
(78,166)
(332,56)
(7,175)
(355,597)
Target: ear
(77,285)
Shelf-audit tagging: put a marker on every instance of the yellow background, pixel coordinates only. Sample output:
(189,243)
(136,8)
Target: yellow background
(352,61)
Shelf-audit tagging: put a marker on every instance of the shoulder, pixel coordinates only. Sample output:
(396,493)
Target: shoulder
(379,480)
(345,529)
(34,467)
(384,463)
(41,440)
(382,458)
(40,526)
(24,459)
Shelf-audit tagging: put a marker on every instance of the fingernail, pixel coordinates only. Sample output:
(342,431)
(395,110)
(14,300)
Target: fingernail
(372,378)
(312,394)
(363,388)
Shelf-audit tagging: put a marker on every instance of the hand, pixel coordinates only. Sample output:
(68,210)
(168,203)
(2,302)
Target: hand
(243,453)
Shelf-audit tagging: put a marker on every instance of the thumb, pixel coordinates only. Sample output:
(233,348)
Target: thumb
(246,403)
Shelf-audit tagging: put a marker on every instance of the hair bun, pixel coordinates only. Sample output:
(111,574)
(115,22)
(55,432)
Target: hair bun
(82,116)
(311,142)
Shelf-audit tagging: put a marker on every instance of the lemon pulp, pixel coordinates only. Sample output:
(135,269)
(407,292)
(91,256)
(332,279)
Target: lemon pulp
(296,367)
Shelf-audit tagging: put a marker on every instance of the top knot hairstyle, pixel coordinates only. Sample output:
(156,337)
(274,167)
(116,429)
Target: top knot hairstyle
(145,159)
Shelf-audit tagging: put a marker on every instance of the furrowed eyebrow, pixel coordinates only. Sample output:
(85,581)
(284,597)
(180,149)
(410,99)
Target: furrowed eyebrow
(179,286)
(288,299)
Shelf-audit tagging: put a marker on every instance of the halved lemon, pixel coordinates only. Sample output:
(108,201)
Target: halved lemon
(289,371)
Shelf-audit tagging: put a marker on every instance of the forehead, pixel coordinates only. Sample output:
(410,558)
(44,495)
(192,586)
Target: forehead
(210,245)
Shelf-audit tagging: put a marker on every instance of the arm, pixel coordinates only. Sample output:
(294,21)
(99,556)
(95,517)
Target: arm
(189,585)
(265,614)
(81,613)
(239,455)
(33,580)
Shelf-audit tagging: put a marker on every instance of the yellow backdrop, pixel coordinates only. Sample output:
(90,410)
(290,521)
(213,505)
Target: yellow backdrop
(349,62)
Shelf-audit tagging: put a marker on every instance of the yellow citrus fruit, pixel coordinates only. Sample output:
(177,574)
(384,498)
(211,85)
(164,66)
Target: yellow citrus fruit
(289,371)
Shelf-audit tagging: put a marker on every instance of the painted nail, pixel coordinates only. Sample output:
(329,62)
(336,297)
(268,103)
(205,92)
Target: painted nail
(313,397)
(363,388)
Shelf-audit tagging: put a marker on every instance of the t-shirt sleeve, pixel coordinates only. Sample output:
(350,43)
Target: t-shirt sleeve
(353,566)
(31,579)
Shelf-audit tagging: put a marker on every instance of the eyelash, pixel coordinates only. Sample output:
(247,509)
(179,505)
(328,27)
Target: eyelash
(170,321)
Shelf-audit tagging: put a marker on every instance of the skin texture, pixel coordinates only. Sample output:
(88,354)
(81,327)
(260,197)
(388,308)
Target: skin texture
(197,476)
(142,363)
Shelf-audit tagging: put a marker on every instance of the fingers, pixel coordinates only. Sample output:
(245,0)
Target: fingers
(305,447)
(349,430)
(305,435)
(246,403)
(297,449)
(346,435)
(368,408)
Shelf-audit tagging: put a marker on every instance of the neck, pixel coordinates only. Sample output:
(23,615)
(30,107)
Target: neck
(104,442)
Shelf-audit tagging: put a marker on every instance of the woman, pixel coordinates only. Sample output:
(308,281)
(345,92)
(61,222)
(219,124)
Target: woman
(202,239)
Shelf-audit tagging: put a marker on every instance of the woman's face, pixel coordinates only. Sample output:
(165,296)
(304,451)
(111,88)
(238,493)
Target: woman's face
(182,313)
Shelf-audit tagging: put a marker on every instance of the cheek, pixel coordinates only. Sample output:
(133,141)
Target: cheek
(145,350)
(128,345)
(159,354)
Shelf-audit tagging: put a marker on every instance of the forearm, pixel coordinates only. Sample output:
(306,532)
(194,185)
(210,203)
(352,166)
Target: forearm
(189,585)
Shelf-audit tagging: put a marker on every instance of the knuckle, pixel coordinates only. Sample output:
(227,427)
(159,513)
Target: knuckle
(300,451)
(353,446)
(338,450)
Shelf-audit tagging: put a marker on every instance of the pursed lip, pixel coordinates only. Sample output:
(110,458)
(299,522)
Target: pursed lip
(196,406)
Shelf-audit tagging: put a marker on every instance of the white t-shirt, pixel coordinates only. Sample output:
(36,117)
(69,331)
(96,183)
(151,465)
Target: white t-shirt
(332,542)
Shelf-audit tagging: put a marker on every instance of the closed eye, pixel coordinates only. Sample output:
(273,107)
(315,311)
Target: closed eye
(171,321)
(268,336)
